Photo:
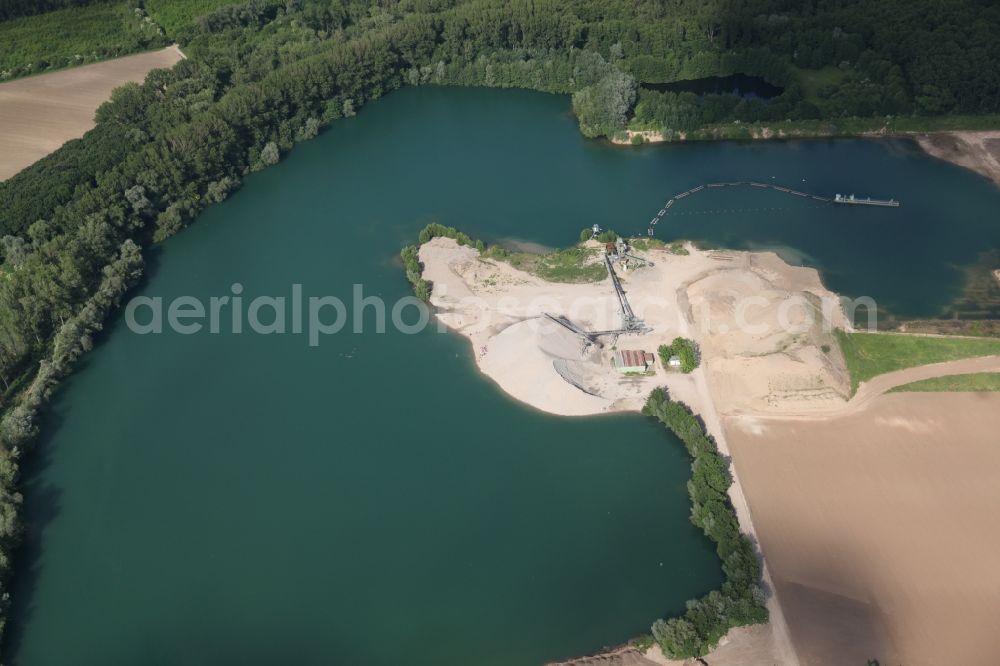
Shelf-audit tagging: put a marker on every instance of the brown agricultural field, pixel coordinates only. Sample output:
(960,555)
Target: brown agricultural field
(40,113)
(879,527)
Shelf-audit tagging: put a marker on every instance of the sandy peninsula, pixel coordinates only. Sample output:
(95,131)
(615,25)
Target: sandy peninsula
(762,326)
(40,113)
(871,510)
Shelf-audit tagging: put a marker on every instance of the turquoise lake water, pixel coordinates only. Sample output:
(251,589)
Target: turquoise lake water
(246,499)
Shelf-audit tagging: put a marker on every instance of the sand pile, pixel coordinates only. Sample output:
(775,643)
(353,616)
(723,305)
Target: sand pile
(545,365)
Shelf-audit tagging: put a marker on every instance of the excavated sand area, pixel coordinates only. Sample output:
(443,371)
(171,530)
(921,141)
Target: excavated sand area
(764,328)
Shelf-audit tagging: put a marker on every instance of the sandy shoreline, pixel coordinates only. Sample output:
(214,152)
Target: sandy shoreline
(977,151)
(767,370)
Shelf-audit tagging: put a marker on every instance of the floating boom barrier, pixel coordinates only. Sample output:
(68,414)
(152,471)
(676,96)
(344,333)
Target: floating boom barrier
(839,199)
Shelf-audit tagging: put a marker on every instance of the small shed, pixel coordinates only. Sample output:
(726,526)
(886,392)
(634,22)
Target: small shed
(674,361)
(633,360)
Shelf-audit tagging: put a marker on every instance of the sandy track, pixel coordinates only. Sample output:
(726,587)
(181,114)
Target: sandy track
(781,650)
(879,385)
(40,113)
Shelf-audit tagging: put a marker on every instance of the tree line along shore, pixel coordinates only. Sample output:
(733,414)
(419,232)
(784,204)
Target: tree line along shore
(263,75)
(853,69)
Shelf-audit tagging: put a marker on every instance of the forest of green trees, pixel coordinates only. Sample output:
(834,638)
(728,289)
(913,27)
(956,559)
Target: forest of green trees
(13,8)
(741,600)
(685,350)
(75,36)
(264,74)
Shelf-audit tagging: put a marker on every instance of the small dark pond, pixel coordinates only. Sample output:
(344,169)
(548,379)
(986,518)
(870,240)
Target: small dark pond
(742,85)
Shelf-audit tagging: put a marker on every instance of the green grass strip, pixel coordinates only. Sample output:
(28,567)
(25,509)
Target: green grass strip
(871,354)
(974,382)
